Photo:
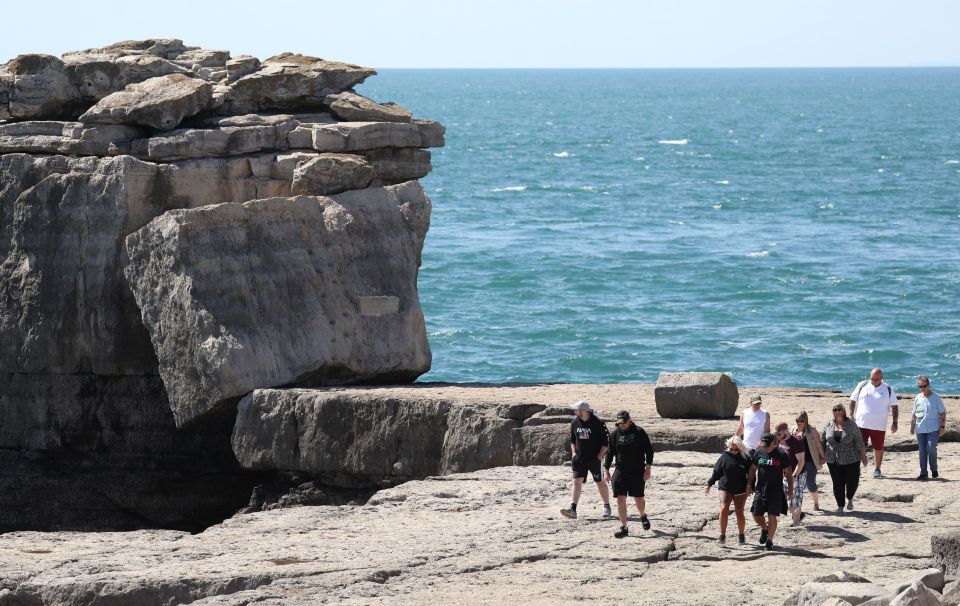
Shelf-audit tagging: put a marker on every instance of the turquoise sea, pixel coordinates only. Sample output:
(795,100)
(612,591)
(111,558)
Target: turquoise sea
(790,227)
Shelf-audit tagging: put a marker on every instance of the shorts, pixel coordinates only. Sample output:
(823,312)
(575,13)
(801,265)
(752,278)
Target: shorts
(581,467)
(774,503)
(798,484)
(873,436)
(631,484)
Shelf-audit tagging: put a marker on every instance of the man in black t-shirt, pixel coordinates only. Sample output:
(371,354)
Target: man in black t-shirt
(588,445)
(632,449)
(768,468)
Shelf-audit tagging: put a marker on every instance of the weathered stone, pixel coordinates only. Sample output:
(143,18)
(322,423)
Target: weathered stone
(328,174)
(223,141)
(917,594)
(291,81)
(306,260)
(951,593)
(431,133)
(842,576)
(102,453)
(66,138)
(815,594)
(363,136)
(399,165)
(160,103)
(695,394)
(165,48)
(946,551)
(351,106)
(240,66)
(202,57)
(931,577)
(96,75)
(41,87)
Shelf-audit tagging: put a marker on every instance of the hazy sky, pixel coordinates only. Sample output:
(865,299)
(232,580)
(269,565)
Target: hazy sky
(515,33)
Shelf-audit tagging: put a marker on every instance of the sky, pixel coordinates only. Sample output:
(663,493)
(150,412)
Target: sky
(515,33)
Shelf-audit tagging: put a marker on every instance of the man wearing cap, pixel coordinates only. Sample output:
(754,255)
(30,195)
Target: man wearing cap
(588,445)
(754,422)
(870,405)
(631,447)
(768,468)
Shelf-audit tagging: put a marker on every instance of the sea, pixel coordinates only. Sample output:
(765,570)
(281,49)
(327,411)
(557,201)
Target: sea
(790,227)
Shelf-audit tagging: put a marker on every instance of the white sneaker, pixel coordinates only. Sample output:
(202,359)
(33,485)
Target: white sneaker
(606,511)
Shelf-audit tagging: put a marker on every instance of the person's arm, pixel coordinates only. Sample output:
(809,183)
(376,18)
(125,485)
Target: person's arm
(853,399)
(895,409)
(801,461)
(857,441)
(648,452)
(739,431)
(766,426)
(913,418)
(605,436)
(611,453)
(943,418)
(819,442)
(751,479)
(717,472)
(789,476)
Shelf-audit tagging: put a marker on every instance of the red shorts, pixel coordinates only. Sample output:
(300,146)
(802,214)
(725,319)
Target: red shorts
(874,437)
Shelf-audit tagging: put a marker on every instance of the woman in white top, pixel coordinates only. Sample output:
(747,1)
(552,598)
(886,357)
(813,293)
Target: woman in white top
(754,422)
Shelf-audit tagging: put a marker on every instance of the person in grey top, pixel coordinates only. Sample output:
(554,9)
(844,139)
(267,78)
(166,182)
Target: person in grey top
(844,448)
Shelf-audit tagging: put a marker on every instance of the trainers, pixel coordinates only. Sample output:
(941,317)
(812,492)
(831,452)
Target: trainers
(763,536)
(741,539)
(936,475)
(923,476)
(722,539)
(877,474)
(569,513)
(838,510)
(769,545)
(645,522)
(803,514)
(606,511)
(622,532)
(849,504)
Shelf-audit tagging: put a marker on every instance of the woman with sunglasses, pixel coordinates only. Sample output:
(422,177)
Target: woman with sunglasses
(731,471)
(843,445)
(813,456)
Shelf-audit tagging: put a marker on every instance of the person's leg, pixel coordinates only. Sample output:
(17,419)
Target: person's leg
(641,505)
(836,477)
(922,448)
(604,493)
(877,458)
(739,504)
(771,526)
(932,440)
(798,485)
(724,511)
(577,487)
(852,479)
(761,521)
(810,473)
(622,509)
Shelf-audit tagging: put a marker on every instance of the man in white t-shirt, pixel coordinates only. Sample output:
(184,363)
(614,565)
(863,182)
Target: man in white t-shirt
(870,405)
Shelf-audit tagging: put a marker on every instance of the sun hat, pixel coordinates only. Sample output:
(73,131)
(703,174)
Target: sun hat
(755,399)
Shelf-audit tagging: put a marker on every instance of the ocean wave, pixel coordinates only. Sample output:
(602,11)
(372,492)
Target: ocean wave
(826,206)
(952,162)
(759,254)
(717,206)
(723,182)
(673,141)
(639,158)
(510,188)
(562,154)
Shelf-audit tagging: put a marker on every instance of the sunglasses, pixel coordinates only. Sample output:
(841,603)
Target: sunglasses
(924,386)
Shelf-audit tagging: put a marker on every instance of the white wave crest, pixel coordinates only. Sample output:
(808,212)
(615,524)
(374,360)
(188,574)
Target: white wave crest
(759,254)
(562,154)
(673,141)
(952,162)
(511,188)
(723,182)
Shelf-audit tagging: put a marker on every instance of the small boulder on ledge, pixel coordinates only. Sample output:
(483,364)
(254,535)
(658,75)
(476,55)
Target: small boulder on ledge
(160,103)
(686,395)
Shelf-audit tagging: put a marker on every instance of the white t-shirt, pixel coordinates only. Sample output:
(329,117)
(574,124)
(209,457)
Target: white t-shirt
(753,423)
(873,405)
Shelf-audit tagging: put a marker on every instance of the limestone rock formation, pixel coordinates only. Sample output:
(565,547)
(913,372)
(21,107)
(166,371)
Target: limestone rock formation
(99,144)
(274,292)
(696,394)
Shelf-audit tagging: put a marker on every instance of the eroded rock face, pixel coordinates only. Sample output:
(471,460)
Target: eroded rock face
(98,143)
(304,290)
(687,395)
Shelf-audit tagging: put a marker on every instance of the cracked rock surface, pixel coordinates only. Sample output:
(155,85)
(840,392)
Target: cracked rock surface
(494,537)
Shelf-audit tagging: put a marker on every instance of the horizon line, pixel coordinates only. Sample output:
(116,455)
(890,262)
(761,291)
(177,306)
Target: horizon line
(725,67)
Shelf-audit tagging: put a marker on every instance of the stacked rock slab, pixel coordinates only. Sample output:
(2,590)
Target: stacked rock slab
(241,273)
(685,395)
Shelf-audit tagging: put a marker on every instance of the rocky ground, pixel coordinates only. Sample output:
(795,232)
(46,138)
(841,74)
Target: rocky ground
(493,537)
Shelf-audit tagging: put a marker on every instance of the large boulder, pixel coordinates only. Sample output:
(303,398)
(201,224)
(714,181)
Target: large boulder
(160,103)
(283,291)
(817,594)
(684,395)
(327,174)
(946,551)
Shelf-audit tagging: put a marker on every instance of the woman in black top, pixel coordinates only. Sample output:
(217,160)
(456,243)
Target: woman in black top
(731,471)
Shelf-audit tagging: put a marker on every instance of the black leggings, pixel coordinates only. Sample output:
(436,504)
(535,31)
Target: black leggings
(845,478)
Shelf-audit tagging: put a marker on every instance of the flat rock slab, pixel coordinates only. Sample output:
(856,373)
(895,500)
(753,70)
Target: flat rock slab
(160,103)
(267,293)
(488,537)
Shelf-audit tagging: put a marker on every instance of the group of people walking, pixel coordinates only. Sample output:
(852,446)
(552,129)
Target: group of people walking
(775,467)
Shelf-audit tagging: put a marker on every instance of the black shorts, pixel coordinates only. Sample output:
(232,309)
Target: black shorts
(773,503)
(592,464)
(630,484)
